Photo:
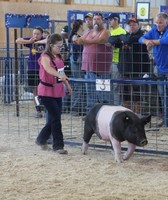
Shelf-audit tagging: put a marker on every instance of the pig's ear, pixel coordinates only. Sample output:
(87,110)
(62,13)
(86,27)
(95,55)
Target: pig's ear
(146,120)
(126,119)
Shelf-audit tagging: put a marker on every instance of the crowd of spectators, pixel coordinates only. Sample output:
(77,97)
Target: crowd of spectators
(92,51)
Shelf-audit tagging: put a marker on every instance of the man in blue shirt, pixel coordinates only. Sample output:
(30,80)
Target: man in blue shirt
(157,38)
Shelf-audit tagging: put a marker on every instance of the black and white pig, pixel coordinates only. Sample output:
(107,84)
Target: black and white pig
(115,124)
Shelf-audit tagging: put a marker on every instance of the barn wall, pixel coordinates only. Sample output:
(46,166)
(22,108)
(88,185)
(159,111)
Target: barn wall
(56,11)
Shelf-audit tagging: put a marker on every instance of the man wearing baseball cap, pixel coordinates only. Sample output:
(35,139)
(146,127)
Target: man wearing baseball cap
(89,21)
(115,30)
(134,63)
(114,16)
(90,15)
(133,20)
(96,60)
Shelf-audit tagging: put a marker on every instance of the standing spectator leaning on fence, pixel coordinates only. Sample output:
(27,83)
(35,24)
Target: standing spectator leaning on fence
(96,60)
(157,38)
(45,33)
(89,21)
(134,63)
(67,66)
(65,50)
(35,51)
(77,103)
(115,30)
(51,90)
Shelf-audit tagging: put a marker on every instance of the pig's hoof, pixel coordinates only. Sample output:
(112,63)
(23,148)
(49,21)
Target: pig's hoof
(126,157)
(84,147)
(84,153)
(119,160)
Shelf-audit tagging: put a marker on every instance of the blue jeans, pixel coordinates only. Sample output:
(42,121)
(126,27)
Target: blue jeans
(115,86)
(66,101)
(53,125)
(163,91)
(78,96)
(93,96)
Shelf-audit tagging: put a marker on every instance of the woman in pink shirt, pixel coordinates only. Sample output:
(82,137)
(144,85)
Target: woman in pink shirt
(51,90)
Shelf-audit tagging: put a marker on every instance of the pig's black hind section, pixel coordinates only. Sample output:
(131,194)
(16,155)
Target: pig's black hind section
(90,123)
(88,132)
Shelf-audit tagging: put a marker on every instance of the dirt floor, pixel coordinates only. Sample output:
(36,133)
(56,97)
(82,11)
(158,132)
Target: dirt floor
(29,173)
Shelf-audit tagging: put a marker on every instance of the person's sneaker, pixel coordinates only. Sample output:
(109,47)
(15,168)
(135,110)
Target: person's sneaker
(160,124)
(44,147)
(61,151)
(75,114)
(39,115)
(50,141)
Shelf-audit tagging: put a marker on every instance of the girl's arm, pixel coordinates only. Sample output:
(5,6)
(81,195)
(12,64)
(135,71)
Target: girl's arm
(45,61)
(24,41)
(68,87)
(102,39)
(44,41)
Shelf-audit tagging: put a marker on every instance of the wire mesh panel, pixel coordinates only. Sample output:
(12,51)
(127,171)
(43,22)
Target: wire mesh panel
(156,131)
(26,123)
(75,109)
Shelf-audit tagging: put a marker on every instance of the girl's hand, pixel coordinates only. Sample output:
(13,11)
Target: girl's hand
(32,40)
(69,90)
(63,77)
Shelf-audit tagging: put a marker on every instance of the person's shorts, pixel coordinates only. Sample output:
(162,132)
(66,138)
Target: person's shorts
(33,78)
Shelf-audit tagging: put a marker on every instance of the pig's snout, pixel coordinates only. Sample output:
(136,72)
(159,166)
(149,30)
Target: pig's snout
(144,142)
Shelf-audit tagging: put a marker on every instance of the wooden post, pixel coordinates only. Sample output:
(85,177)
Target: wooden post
(122,3)
(69,2)
(134,6)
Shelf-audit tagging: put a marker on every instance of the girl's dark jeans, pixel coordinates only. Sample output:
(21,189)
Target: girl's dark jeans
(53,125)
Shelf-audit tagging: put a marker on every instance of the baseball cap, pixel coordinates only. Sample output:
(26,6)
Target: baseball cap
(113,16)
(89,15)
(65,29)
(133,19)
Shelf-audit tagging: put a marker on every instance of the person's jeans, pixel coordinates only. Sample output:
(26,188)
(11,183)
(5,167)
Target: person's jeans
(115,86)
(66,101)
(53,125)
(163,91)
(94,96)
(78,95)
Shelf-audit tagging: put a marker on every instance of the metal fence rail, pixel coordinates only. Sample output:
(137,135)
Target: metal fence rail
(72,121)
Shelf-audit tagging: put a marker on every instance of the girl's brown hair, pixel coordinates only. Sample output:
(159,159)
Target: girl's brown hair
(52,39)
